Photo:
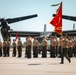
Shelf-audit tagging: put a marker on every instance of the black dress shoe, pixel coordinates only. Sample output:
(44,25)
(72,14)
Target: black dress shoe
(61,63)
(59,56)
(69,61)
(19,56)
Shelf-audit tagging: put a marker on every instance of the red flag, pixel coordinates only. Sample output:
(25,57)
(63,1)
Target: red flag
(16,36)
(57,20)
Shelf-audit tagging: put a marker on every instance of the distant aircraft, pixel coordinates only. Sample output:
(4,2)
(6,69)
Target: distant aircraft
(72,18)
(4,24)
(39,35)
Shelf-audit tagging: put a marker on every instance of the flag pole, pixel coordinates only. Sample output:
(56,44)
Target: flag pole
(62,34)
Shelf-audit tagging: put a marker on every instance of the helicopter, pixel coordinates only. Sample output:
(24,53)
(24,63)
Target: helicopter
(4,24)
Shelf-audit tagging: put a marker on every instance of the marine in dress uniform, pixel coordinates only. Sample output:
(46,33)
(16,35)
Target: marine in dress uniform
(35,47)
(0,48)
(56,49)
(60,45)
(53,43)
(8,48)
(19,46)
(26,46)
(44,47)
(70,47)
(73,49)
(29,44)
(14,48)
(64,50)
(4,48)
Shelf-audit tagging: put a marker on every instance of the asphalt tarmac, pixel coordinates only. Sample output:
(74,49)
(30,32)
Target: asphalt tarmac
(36,66)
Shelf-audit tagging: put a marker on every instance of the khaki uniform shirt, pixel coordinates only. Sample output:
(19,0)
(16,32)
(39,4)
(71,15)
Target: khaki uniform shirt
(60,42)
(14,44)
(8,44)
(44,43)
(29,42)
(73,41)
(19,43)
(0,44)
(4,43)
(70,44)
(53,42)
(64,43)
(35,43)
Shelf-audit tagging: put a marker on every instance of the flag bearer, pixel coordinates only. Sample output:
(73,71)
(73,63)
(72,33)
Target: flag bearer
(64,50)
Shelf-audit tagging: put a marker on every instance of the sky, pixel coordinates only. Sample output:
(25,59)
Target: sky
(19,8)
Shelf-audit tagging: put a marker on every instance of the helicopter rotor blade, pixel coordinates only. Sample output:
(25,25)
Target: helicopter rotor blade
(13,20)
